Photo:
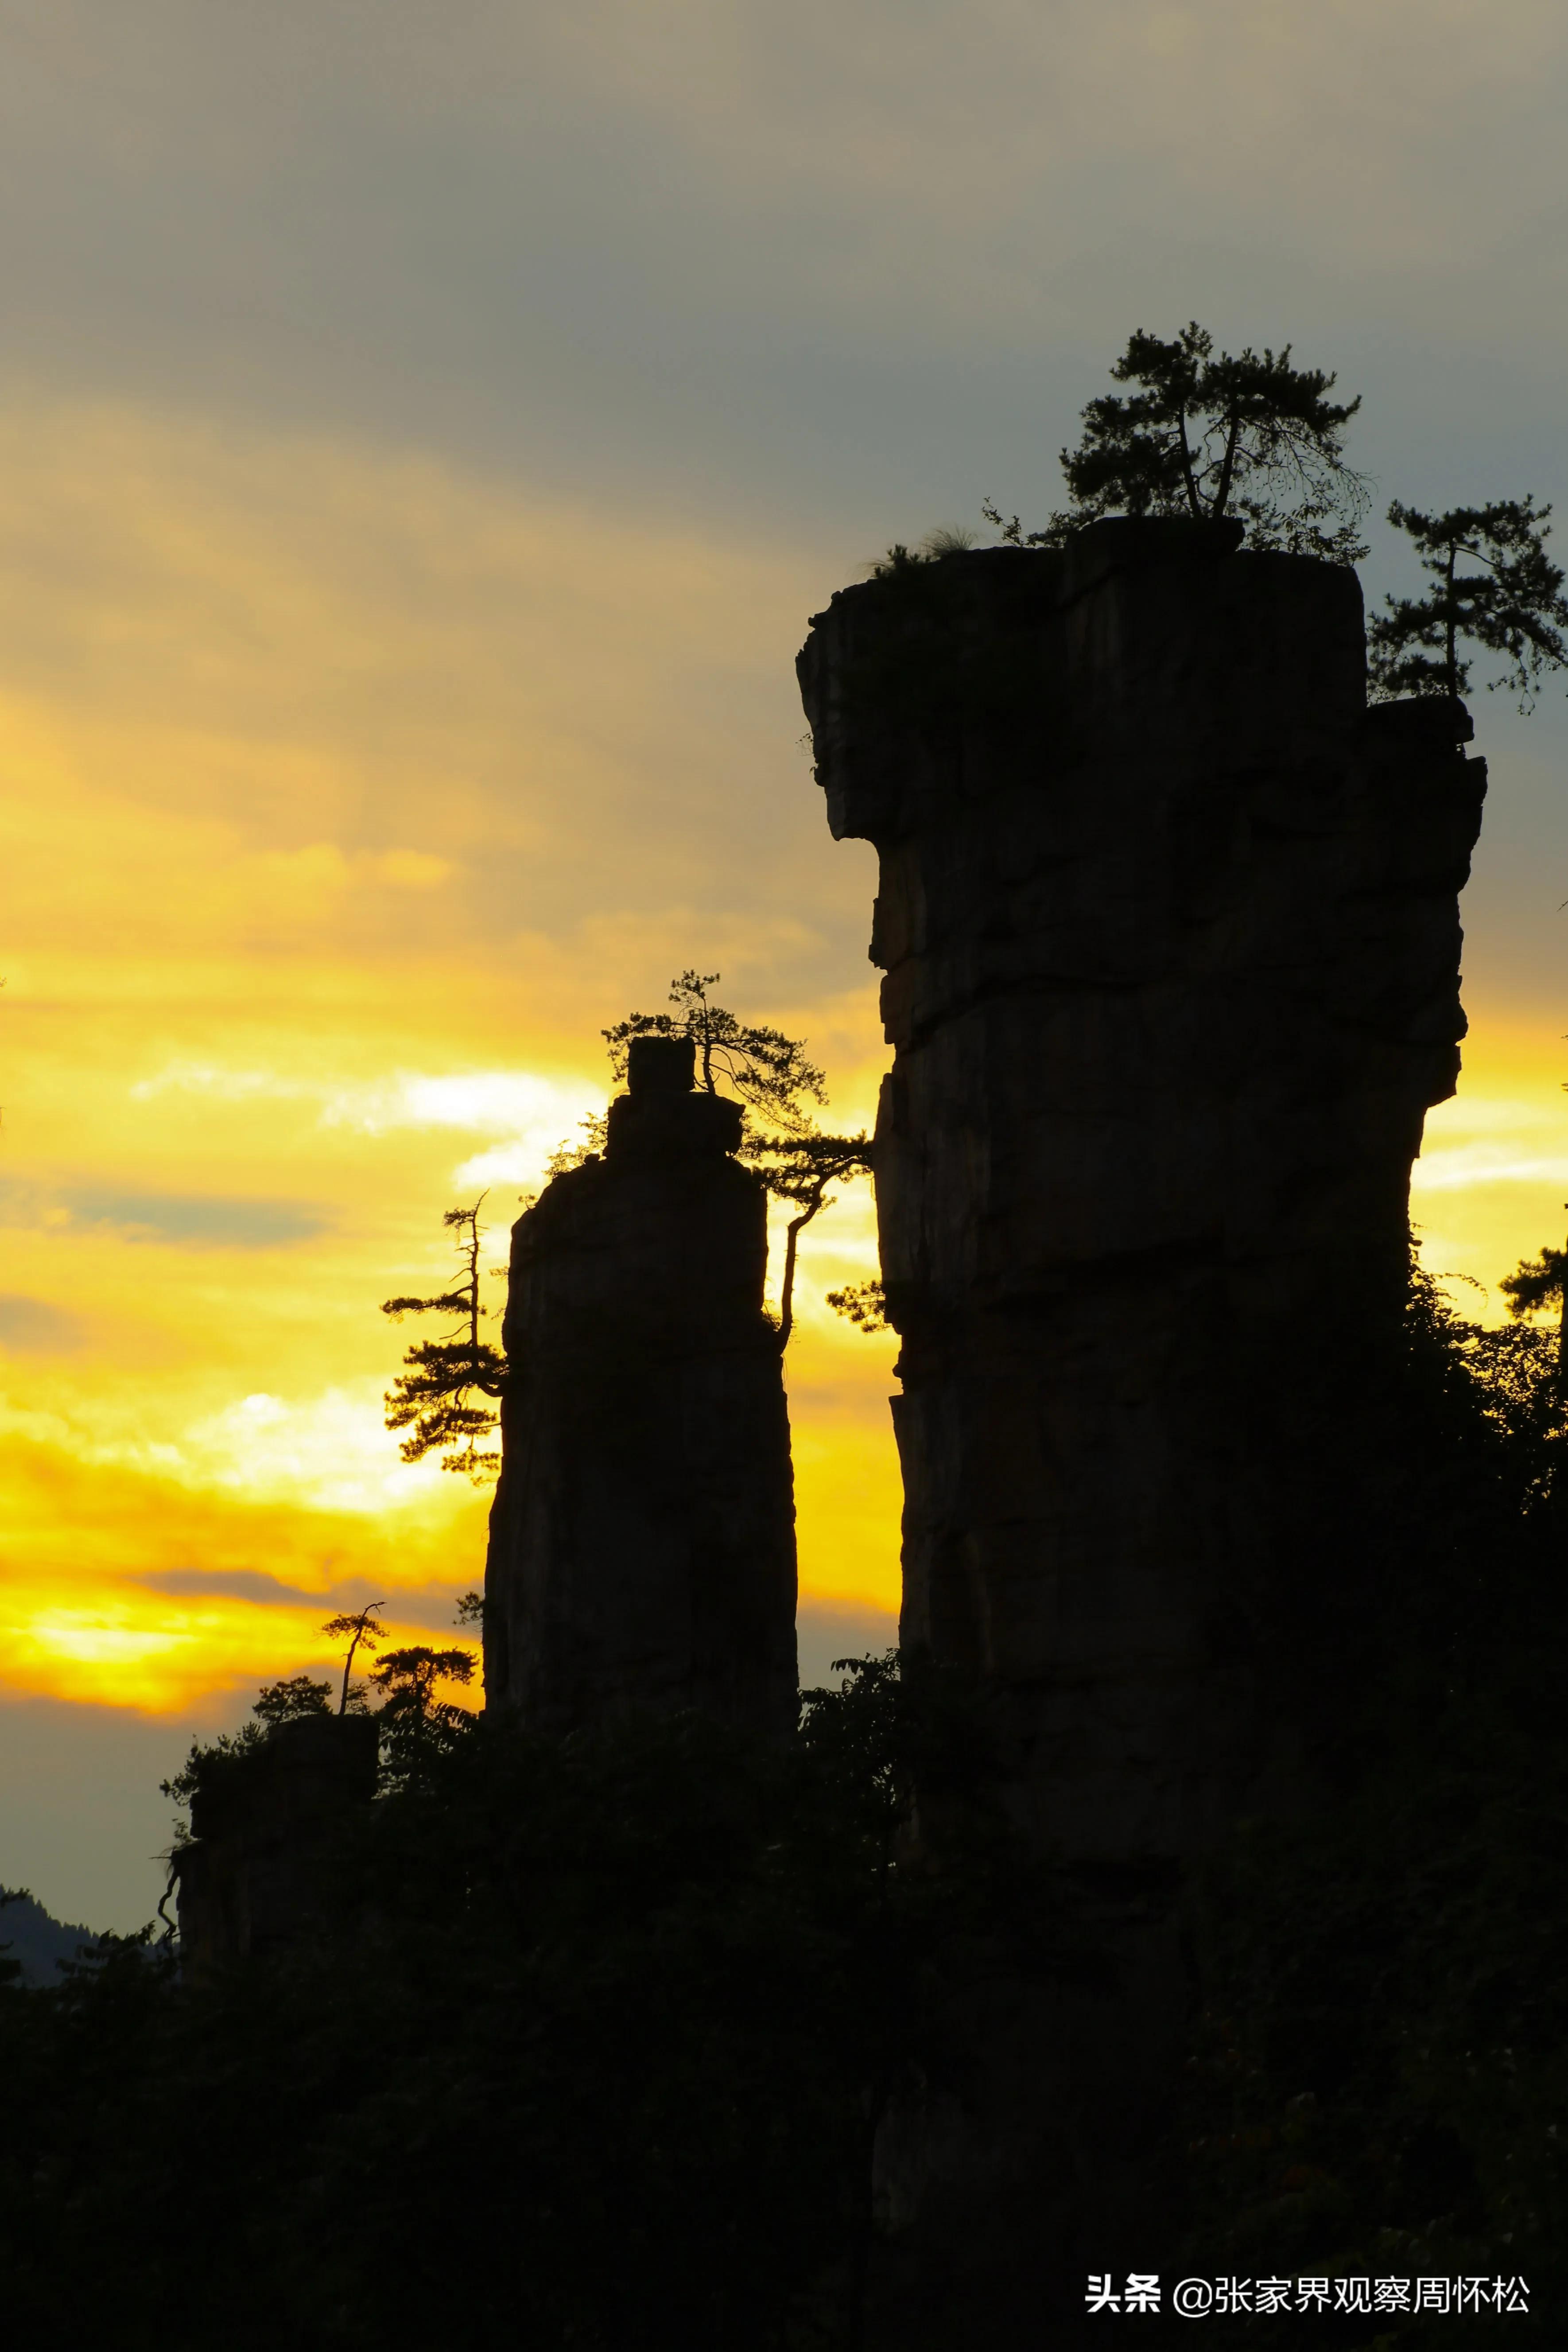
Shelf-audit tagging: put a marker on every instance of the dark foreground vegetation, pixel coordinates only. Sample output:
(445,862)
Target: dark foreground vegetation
(593,2048)
(1380,2082)
(589,2055)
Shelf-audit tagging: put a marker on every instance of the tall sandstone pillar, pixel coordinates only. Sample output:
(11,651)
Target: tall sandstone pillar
(641,1550)
(1170,924)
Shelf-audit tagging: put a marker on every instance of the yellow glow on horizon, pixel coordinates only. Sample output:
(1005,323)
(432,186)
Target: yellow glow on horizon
(1492,1179)
(110,1656)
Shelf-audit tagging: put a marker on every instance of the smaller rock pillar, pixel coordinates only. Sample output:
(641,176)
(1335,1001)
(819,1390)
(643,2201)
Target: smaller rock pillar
(254,1877)
(642,1538)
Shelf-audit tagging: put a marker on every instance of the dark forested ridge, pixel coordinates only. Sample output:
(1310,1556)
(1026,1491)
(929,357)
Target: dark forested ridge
(34,1940)
(602,2028)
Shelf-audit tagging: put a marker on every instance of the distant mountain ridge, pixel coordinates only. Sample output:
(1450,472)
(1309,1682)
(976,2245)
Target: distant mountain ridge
(29,1934)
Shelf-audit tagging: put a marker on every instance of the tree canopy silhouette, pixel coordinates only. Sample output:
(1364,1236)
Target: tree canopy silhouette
(286,1702)
(763,1069)
(414,1724)
(216,1761)
(1537,1283)
(1206,433)
(774,1078)
(800,1169)
(1511,606)
(864,1304)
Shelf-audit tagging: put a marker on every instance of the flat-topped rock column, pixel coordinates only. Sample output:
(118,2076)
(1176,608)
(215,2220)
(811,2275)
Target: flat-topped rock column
(1170,929)
(642,1539)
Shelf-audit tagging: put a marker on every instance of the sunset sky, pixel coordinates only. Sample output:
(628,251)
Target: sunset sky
(425,431)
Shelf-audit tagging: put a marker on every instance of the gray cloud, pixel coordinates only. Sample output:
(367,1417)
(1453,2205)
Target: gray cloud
(196,1220)
(83,1819)
(824,1633)
(427,1604)
(31,1326)
(837,279)
(236,1584)
(180,1220)
(849,272)
(816,282)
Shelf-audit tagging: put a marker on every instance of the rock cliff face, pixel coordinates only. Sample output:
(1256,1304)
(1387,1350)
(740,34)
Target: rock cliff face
(642,1539)
(253,1882)
(1169,923)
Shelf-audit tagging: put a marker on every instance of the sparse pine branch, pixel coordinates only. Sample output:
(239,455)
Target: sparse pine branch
(1492,584)
(432,1397)
(768,1071)
(776,1080)
(1535,1282)
(361,1630)
(445,1302)
(797,1167)
(864,1304)
(567,1155)
(800,1168)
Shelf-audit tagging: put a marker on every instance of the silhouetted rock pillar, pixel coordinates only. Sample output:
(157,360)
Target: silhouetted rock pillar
(642,1538)
(1170,929)
(255,1880)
